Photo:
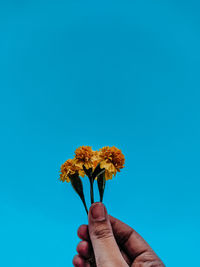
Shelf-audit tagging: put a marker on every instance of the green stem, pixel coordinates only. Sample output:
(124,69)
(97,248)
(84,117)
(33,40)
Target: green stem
(88,172)
(91,190)
(85,206)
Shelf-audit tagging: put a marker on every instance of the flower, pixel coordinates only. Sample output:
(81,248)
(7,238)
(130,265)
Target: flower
(84,155)
(69,168)
(112,159)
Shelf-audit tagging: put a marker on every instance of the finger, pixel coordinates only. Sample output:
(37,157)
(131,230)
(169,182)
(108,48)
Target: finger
(78,261)
(84,249)
(83,232)
(105,248)
(122,232)
(84,235)
(131,242)
(126,258)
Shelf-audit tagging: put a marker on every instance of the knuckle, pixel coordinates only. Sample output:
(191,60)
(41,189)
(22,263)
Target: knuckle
(102,232)
(148,259)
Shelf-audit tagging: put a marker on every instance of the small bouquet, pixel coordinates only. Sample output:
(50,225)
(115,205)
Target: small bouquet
(96,165)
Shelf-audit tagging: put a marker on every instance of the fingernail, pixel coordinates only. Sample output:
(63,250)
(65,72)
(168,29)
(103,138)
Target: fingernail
(98,212)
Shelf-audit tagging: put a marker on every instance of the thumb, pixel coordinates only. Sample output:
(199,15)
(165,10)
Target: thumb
(105,248)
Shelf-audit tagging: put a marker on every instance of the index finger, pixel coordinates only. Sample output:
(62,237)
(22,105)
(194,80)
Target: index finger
(132,243)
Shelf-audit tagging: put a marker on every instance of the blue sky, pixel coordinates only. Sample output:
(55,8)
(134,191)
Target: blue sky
(123,73)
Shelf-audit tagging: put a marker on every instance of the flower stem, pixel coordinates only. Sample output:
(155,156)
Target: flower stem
(88,172)
(85,206)
(91,190)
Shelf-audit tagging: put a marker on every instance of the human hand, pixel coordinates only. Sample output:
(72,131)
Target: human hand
(112,243)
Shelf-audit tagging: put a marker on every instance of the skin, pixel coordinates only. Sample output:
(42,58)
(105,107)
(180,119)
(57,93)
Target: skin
(112,243)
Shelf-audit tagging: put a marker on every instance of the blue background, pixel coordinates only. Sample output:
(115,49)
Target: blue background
(123,73)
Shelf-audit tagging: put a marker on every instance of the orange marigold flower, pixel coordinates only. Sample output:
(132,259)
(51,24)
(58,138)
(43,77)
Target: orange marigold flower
(69,168)
(112,159)
(84,155)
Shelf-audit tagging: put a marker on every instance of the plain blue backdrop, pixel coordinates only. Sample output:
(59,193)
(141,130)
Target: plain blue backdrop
(123,73)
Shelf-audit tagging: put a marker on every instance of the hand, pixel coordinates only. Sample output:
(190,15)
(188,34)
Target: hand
(112,243)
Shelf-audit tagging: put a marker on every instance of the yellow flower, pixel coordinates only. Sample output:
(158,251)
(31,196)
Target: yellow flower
(84,155)
(69,168)
(112,159)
